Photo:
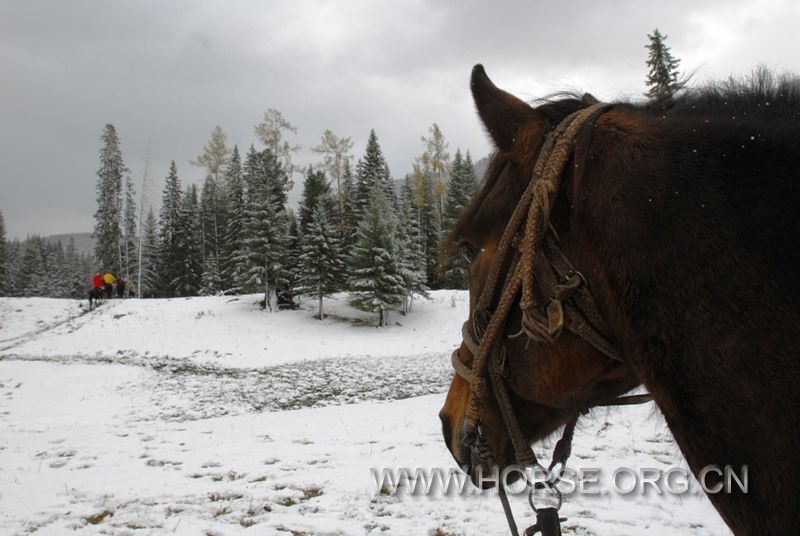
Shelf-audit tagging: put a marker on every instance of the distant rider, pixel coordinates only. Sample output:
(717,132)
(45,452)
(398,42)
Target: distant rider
(108,283)
(97,289)
(97,281)
(121,288)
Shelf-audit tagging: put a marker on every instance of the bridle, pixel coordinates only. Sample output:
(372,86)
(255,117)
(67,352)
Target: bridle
(528,246)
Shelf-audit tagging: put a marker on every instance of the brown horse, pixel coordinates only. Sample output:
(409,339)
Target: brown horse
(684,220)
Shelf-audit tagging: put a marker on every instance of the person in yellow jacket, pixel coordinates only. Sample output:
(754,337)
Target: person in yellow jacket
(108,284)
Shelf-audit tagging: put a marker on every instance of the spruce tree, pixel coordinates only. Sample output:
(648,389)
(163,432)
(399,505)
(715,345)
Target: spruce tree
(211,281)
(289,290)
(107,229)
(411,256)
(214,158)
(170,263)
(426,218)
(372,171)
(186,279)
(13,267)
(459,193)
(375,281)
(663,76)
(34,269)
(209,218)
(130,244)
(148,287)
(321,259)
(57,272)
(76,273)
(4,270)
(266,231)
(346,216)
(315,190)
(232,249)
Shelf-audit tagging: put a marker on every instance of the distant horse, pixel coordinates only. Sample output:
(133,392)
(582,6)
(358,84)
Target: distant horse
(660,248)
(96,296)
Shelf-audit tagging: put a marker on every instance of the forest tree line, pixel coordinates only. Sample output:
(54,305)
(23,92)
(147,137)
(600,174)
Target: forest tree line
(356,229)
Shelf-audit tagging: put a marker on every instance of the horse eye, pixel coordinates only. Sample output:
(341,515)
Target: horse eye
(468,253)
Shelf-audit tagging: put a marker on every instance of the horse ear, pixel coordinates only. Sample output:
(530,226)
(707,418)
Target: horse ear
(503,114)
(588,99)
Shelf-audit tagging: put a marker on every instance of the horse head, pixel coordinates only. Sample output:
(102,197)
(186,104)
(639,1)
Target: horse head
(549,383)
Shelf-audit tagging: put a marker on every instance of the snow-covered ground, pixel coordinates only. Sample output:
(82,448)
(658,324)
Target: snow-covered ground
(209,416)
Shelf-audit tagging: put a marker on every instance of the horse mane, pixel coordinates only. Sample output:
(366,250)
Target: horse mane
(763,93)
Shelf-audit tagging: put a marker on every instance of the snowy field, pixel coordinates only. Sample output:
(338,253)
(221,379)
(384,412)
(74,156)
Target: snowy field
(207,416)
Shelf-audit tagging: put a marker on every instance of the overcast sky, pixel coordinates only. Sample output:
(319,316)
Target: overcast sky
(164,73)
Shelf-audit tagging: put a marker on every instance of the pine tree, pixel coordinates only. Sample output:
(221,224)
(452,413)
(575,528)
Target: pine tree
(375,282)
(371,171)
(322,261)
(170,263)
(232,249)
(107,230)
(459,193)
(663,76)
(5,286)
(265,227)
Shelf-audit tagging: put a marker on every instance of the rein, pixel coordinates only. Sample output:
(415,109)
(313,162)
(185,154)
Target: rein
(528,246)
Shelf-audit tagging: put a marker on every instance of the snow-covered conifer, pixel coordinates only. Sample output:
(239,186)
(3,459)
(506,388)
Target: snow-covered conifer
(321,261)
(410,254)
(231,259)
(108,218)
(459,193)
(265,227)
(375,282)
(662,79)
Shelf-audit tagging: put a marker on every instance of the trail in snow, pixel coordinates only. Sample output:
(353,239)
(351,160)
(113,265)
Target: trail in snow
(212,391)
(69,318)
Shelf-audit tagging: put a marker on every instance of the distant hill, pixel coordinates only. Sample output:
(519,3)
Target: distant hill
(84,243)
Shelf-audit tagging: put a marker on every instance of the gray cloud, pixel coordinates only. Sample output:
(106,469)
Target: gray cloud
(164,73)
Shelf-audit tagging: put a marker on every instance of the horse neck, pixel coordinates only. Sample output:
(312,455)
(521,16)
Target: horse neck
(690,257)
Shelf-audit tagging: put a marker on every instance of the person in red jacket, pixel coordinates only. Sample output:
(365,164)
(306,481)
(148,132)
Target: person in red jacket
(97,289)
